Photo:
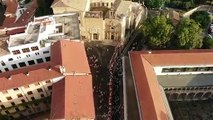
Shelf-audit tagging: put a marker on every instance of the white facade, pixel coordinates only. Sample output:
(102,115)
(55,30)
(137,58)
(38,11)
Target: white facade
(33,46)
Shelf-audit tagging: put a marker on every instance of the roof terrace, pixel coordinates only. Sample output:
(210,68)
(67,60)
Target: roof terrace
(30,36)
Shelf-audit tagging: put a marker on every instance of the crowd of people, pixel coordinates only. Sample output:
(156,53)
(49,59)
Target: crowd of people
(106,68)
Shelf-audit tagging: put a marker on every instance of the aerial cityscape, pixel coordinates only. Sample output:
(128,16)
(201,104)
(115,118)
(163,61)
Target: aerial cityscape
(106,60)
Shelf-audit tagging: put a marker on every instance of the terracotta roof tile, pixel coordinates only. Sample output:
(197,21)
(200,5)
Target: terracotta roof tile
(150,97)
(76,94)
(66,52)
(19,78)
(178,57)
(12,6)
(149,94)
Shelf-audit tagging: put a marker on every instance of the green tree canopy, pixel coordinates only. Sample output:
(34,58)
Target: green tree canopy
(208,42)
(44,8)
(189,34)
(155,3)
(157,32)
(202,17)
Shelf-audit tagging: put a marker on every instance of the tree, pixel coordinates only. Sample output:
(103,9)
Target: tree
(208,42)
(44,8)
(157,31)
(202,17)
(155,3)
(189,34)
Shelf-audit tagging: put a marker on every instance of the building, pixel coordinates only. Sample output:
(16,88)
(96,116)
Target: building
(29,90)
(16,17)
(152,78)
(33,46)
(103,20)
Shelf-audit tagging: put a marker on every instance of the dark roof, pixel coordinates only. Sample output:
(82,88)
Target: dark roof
(178,57)
(73,95)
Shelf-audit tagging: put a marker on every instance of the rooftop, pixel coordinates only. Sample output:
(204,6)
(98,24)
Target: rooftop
(151,101)
(74,77)
(30,36)
(177,57)
(19,77)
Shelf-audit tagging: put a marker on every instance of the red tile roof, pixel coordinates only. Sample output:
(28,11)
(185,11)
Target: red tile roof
(77,90)
(66,53)
(72,98)
(178,57)
(12,6)
(19,78)
(8,21)
(150,97)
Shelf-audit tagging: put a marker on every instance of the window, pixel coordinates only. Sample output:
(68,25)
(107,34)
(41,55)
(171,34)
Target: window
(17,110)
(31,62)
(19,95)
(9,98)
(29,92)
(40,60)
(13,104)
(34,48)
(49,87)
(15,52)
(6,69)
(14,66)
(42,95)
(166,70)
(22,64)
(7,112)
(39,90)
(2,63)
(95,36)
(32,98)
(37,53)
(210,68)
(45,52)
(23,101)
(15,89)
(25,50)
(2,106)
(10,59)
(47,59)
(48,81)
